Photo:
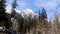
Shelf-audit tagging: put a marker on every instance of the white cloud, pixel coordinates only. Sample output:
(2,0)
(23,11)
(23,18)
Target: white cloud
(22,3)
(48,4)
(18,11)
(8,9)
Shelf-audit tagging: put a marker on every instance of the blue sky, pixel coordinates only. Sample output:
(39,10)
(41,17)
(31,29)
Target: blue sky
(51,6)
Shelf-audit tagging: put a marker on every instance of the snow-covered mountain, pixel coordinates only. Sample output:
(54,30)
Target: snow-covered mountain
(26,12)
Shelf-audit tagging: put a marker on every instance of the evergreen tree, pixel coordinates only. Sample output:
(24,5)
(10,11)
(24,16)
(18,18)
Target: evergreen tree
(45,22)
(14,4)
(42,23)
(3,18)
(2,10)
(43,14)
(13,11)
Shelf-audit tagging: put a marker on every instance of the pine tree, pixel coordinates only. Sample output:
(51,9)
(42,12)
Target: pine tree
(44,15)
(14,4)
(13,13)
(3,19)
(44,21)
(2,10)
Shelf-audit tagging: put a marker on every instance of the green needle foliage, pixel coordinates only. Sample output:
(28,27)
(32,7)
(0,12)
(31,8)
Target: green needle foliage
(3,19)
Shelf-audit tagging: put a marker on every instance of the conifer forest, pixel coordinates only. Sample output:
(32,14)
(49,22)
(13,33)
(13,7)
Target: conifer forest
(27,21)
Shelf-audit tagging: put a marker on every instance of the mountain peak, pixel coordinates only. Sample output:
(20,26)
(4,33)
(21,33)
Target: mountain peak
(28,10)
